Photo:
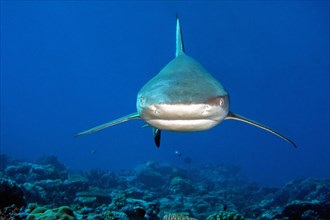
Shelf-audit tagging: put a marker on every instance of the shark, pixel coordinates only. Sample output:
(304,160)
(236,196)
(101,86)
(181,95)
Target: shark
(182,97)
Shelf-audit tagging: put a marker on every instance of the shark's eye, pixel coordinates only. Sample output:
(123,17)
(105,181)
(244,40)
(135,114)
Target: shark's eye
(142,101)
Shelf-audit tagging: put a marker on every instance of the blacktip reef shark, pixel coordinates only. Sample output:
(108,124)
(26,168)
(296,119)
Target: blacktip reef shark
(182,97)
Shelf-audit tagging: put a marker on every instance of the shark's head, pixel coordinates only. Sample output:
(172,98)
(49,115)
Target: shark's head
(183,97)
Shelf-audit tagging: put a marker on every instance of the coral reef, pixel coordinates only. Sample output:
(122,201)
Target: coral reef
(28,172)
(92,198)
(45,189)
(180,185)
(12,212)
(148,175)
(178,216)
(224,215)
(101,178)
(306,210)
(11,194)
(63,212)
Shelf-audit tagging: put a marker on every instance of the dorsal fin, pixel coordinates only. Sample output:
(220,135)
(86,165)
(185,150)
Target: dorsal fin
(179,40)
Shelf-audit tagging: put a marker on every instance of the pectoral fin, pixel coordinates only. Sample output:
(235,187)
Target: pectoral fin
(157,133)
(243,119)
(145,126)
(132,116)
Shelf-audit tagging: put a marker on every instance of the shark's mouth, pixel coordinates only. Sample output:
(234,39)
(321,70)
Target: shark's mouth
(183,125)
(186,116)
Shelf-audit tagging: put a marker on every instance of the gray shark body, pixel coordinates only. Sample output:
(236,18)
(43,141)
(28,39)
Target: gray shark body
(182,97)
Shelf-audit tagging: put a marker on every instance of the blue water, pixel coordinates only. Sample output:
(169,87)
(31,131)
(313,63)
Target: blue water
(69,66)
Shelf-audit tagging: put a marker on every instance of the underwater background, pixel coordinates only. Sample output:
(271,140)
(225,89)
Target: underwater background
(67,66)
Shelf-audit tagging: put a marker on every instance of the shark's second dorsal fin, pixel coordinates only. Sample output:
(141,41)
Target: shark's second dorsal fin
(179,40)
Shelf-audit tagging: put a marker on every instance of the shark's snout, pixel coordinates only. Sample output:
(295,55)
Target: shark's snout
(184,116)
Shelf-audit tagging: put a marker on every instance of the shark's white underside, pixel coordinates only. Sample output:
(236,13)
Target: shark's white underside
(184,117)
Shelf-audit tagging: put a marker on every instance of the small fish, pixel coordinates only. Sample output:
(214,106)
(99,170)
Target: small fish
(93,151)
(178,153)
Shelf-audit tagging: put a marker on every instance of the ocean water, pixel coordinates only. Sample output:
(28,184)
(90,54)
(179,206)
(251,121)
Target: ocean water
(68,66)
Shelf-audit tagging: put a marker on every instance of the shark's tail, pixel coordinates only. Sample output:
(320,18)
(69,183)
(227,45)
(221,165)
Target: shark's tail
(179,40)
